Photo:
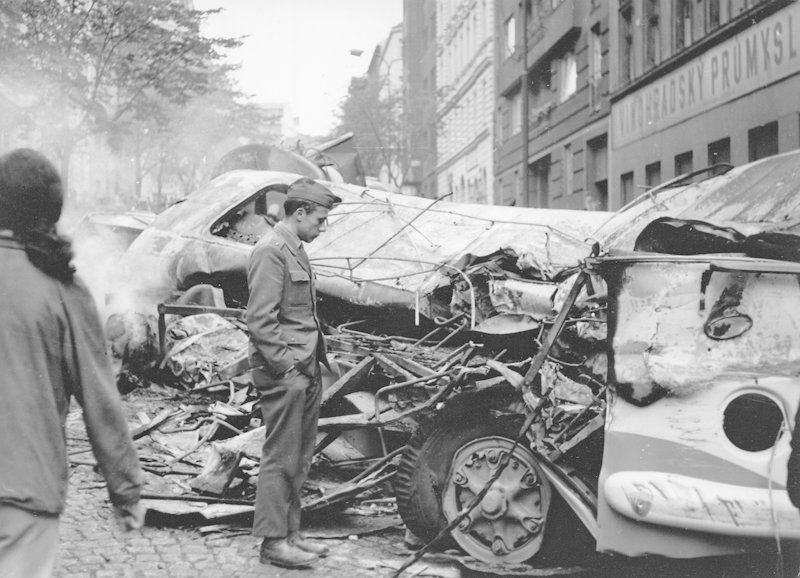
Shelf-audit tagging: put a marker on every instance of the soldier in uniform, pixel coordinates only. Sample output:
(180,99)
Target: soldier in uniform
(286,348)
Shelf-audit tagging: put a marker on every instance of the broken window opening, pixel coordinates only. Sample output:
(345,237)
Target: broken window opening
(251,220)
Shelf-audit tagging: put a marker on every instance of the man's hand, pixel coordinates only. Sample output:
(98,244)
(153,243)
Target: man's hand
(130,517)
(291,372)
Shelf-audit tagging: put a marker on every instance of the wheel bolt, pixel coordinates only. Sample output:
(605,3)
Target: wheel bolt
(464,525)
(532,525)
(492,456)
(499,547)
(529,480)
(460,479)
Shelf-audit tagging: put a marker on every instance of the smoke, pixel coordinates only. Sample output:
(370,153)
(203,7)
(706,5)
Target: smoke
(98,251)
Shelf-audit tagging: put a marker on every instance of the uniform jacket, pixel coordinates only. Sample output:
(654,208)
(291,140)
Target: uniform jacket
(51,348)
(281,311)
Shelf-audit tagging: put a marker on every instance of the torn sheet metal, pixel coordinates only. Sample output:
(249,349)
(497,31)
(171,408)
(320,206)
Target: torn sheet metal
(760,196)
(380,248)
(522,296)
(663,304)
(199,346)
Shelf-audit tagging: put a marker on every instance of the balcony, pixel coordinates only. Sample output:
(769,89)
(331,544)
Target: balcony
(557,29)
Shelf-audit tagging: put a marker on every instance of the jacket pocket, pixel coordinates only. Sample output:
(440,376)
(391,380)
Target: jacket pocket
(299,294)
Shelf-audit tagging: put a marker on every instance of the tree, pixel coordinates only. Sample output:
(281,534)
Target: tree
(376,114)
(96,66)
(178,146)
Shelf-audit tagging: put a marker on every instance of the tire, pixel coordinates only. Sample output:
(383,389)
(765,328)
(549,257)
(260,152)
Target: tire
(439,473)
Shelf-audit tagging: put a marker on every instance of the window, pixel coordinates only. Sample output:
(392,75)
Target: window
(511,36)
(569,76)
(597,173)
(762,141)
(540,195)
(595,66)
(516,113)
(683,24)
(652,34)
(626,43)
(719,152)
(652,175)
(684,163)
(714,18)
(568,169)
(626,188)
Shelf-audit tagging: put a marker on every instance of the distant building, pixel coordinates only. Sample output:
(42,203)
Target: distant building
(465,84)
(280,124)
(553,103)
(700,82)
(419,58)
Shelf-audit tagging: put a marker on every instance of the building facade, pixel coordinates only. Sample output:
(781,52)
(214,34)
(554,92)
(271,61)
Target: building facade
(552,77)
(419,60)
(700,82)
(465,102)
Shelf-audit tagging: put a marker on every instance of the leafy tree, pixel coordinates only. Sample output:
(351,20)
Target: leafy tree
(98,66)
(377,116)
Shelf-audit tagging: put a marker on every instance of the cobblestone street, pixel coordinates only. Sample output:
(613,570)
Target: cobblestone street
(93,547)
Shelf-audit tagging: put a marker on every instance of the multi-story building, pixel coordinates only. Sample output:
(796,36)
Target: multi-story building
(700,82)
(552,78)
(279,125)
(419,60)
(465,87)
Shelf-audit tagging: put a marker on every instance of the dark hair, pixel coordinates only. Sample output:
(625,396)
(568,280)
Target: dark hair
(291,205)
(30,205)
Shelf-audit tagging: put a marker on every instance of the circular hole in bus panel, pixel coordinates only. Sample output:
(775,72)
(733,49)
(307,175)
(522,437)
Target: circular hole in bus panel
(752,422)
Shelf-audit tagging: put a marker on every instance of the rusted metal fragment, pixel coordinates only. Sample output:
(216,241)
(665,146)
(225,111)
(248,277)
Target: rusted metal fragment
(391,367)
(218,472)
(199,346)
(348,382)
(522,297)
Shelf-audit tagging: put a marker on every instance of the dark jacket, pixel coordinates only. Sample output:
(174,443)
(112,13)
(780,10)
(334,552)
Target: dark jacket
(51,348)
(281,311)
(793,467)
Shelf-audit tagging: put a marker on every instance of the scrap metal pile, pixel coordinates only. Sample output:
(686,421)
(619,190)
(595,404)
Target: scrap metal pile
(204,447)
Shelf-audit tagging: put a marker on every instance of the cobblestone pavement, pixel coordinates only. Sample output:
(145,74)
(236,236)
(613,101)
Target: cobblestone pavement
(92,546)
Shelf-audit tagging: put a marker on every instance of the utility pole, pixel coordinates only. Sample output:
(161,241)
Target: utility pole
(524,88)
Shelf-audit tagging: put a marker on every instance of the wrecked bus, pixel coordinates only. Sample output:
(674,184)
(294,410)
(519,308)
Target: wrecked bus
(635,402)
(678,444)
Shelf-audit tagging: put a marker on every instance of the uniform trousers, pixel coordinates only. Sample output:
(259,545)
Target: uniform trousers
(290,409)
(28,543)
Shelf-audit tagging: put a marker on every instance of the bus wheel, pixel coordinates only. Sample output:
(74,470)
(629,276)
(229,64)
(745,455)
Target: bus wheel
(440,473)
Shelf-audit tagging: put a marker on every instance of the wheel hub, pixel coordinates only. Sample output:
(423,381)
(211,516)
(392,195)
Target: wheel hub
(508,523)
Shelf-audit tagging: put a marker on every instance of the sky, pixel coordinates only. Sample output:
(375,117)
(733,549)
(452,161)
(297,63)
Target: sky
(298,52)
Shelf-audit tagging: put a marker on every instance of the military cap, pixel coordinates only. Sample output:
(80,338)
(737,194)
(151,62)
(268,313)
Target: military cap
(309,190)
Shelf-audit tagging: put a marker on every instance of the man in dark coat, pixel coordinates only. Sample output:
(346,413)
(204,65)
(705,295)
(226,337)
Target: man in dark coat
(286,348)
(51,348)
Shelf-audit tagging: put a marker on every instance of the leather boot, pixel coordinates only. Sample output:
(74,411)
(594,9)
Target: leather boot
(279,552)
(296,539)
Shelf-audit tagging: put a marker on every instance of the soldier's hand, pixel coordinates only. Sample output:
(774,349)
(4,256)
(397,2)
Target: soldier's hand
(130,517)
(291,372)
